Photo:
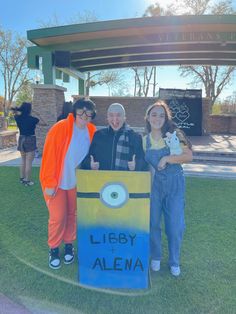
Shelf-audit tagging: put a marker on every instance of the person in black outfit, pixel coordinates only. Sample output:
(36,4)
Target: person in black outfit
(27,140)
(66,109)
(116,147)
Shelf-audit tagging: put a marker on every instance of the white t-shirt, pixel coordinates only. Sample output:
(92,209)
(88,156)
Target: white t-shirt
(78,149)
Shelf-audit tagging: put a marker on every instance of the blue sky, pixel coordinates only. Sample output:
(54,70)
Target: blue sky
(22,15)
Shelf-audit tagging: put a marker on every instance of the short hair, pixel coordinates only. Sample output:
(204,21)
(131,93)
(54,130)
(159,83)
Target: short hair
(84,102)
(116,107)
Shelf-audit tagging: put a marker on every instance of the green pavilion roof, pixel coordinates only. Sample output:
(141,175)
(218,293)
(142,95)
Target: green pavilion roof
(165,40)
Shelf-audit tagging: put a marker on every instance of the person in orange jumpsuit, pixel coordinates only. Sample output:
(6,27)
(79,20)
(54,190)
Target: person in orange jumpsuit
(66,145)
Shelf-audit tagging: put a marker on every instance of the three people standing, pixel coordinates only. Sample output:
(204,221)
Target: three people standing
(116,147)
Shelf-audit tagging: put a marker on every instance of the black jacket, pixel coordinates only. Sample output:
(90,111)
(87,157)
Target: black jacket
(26,124)
(103,149)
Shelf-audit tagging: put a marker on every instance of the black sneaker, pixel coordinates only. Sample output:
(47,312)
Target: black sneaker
(22,180)
(54,258)
(69,254)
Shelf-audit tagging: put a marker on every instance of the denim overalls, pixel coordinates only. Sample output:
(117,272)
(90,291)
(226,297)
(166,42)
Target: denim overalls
(167,196)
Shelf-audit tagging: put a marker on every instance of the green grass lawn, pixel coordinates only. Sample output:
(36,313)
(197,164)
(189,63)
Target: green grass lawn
(206,285)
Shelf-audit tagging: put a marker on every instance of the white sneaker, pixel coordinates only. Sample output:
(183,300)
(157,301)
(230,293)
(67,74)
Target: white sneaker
(155,265)
(69,253)
(175,270)
(54,258)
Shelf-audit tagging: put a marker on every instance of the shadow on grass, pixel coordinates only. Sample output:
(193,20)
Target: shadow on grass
(205,285)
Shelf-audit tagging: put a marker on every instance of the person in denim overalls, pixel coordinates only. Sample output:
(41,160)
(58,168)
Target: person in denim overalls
(168,186)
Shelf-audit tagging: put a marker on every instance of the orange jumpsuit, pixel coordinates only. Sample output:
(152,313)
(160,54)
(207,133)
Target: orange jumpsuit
(61,206)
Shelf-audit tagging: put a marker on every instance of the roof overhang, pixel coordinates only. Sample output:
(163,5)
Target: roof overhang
(165,40)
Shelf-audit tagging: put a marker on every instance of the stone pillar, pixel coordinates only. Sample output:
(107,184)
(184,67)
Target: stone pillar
(7,138)
(206,111)
(3,124)
(47,106)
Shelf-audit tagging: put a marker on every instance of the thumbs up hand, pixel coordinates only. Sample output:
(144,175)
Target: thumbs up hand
(93,164)
(132,163)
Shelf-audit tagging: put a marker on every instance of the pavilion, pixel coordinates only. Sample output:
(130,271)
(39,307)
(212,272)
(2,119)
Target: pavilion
(165,40)
(72,50)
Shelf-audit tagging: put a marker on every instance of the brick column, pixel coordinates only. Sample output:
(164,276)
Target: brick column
(3,124)
(206,111)
(47,106)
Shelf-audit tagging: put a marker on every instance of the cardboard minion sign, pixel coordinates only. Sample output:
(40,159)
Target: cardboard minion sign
(113,228)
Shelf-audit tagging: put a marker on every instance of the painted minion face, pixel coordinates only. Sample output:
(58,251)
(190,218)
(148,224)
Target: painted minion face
(113,228)
(114,195)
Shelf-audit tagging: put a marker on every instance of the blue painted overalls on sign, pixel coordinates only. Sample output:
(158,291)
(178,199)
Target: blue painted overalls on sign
(167,196)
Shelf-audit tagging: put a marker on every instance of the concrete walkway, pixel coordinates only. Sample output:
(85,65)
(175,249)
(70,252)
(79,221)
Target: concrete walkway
(206,144)
(7,306)
(220,144)
(11,157)
(214,143)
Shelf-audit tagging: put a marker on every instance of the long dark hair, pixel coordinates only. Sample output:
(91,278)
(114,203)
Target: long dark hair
(66,109)
(169,125)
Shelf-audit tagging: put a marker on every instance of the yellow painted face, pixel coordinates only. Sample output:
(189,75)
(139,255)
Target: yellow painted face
(113,228)
(117,201)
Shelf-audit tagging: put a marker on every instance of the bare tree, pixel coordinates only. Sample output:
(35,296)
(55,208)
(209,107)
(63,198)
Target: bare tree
(1,103)
(144,78)
(154,82)
(13,65)
(78,18)
(223,7)
(112,79)
(137,83)
(213,78)
(122,91)
(155,10)
(229,104)
(192,7)
(147,76)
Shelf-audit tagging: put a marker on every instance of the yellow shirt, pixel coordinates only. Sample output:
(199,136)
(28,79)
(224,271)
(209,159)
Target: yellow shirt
(154,144)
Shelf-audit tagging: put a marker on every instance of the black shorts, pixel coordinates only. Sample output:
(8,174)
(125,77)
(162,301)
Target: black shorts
(27,143)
